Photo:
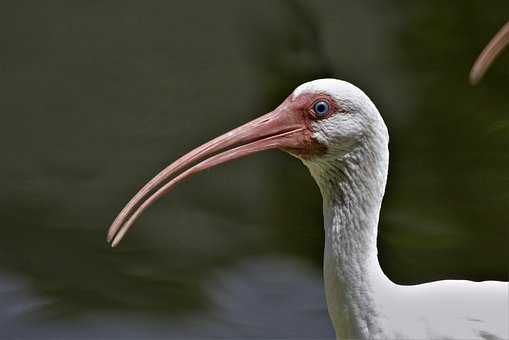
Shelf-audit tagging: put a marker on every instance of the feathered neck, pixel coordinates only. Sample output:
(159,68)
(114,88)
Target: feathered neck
(352,187)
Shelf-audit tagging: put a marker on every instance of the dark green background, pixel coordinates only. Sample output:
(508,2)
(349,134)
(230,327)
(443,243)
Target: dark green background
(97,96)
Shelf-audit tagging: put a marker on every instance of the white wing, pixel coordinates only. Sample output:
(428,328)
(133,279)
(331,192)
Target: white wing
(450,309)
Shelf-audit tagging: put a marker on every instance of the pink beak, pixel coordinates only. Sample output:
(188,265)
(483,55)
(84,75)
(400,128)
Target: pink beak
(488,55)
(285,128)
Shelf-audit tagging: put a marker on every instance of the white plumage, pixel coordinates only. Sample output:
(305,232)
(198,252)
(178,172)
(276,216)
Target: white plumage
(363,303)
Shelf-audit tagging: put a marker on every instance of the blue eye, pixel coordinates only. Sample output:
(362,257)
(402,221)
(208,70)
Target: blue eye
(321,108)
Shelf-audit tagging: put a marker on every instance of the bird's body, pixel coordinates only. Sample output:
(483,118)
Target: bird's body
(335,129)
(437,310)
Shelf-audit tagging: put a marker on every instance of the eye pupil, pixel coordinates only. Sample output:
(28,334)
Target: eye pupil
(321,108)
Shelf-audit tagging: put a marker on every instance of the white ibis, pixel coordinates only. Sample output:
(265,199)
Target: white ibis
(337,132)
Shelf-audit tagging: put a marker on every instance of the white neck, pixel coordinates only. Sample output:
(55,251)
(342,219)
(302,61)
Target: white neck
(352,187)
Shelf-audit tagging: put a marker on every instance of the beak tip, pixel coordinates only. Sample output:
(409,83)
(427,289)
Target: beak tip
(109,237)
(111,240)
(473,80)
(476,74)
(116,239)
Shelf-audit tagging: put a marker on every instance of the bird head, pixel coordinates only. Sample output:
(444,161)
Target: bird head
(351,120)
(319,123)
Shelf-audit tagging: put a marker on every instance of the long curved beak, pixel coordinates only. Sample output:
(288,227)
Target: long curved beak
(282,128)
(488,55)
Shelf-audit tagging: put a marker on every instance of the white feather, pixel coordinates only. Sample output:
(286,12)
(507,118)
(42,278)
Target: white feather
(363,303)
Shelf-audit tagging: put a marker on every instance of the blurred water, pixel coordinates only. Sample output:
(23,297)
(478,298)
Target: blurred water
(275,296)
(98,96)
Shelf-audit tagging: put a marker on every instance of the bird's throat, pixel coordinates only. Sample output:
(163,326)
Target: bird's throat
(352,274)
(352,189)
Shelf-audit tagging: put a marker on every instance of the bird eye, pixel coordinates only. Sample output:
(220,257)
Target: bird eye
(321,108)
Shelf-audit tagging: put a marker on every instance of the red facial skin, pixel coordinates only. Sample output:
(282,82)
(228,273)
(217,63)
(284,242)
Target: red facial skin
(288,128)
(303,105)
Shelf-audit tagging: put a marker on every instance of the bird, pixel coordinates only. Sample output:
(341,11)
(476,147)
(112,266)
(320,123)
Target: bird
(338,133)
(488,55)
